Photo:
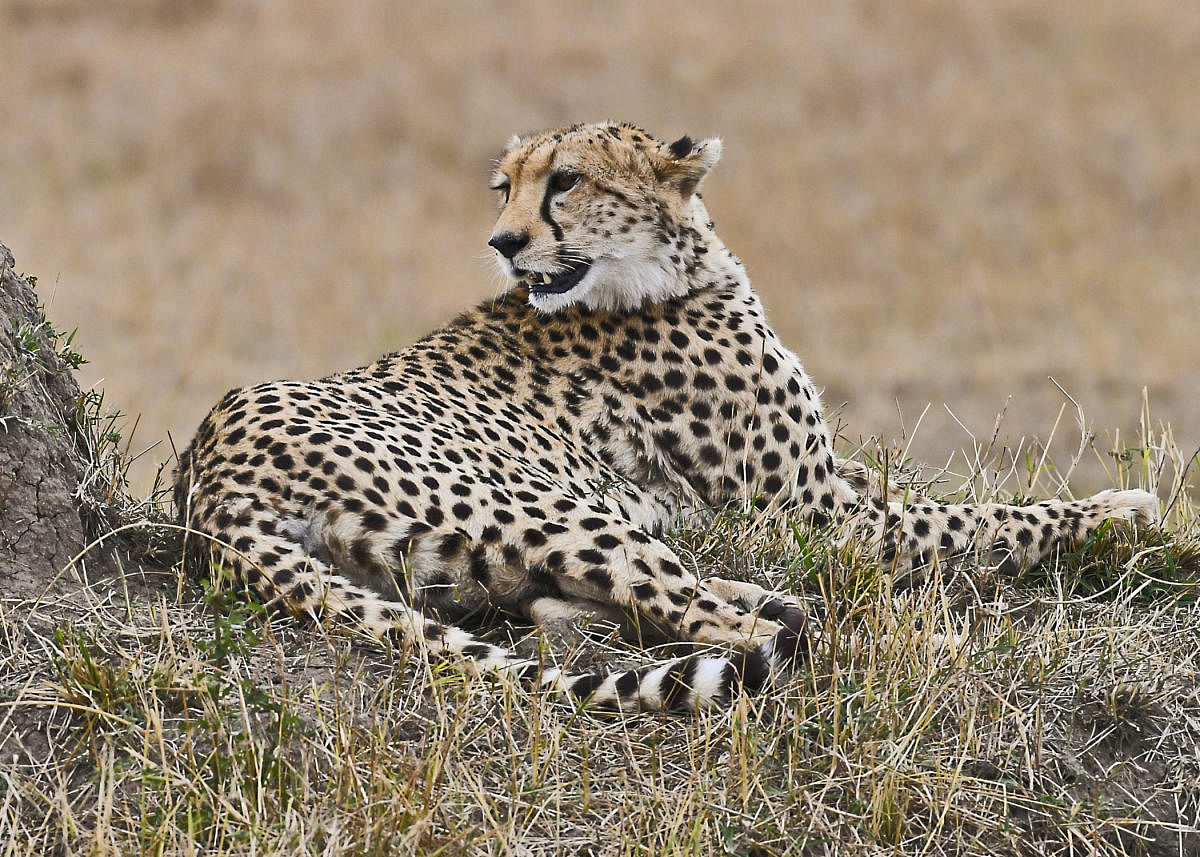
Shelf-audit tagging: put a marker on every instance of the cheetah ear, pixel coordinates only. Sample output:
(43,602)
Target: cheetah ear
(687,163)
(513,142)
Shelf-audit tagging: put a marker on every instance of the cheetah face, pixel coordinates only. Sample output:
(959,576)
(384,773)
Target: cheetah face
(599,215)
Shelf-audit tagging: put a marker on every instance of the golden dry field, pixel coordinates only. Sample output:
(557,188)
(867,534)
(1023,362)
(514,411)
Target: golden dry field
(940,202)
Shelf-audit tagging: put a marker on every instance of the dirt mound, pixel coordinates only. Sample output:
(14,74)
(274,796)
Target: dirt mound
(41,459)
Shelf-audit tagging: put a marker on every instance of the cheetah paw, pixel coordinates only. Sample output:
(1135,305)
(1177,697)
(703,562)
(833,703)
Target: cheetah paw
(1134,505)
(788,613)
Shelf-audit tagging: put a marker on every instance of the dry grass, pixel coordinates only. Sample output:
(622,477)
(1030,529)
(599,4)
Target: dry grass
(940,202)
(1055,715)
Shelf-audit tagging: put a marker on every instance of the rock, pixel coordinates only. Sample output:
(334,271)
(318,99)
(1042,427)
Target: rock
(41,458)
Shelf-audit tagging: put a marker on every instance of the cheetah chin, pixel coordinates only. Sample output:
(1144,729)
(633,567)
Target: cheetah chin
(527,457)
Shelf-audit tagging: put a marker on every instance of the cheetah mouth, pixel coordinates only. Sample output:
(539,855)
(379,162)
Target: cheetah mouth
(541,283)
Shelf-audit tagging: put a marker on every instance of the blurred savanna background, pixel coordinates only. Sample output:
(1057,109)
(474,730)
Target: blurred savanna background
(941,203)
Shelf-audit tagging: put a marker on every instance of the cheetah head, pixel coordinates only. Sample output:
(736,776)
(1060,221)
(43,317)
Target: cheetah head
(602,215)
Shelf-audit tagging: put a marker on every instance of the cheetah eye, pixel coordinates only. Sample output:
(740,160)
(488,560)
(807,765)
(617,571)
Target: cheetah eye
(503,188)
(564,181)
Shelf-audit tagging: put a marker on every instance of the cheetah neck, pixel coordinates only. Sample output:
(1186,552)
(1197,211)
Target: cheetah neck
(641,380)
(687,258)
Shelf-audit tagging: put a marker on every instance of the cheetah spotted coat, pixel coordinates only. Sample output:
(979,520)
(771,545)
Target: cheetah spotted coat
(527,456)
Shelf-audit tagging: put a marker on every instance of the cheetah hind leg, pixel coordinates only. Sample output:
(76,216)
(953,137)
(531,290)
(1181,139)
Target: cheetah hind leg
(563,623)
(566,620)
(688,683)
(282,572)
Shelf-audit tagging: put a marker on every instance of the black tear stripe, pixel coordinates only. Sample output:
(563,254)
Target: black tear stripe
(558,233)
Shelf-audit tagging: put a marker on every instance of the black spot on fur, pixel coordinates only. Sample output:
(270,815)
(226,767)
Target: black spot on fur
(451,545)
(374,521)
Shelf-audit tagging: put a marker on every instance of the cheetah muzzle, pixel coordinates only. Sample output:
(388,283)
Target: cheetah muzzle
(527,456)
(555,284)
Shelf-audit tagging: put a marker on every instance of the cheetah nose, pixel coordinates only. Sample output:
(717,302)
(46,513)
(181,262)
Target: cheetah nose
(509,243)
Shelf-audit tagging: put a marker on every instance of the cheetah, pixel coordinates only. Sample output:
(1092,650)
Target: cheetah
(528,456)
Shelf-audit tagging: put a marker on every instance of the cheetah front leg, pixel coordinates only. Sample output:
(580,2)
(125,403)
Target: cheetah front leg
(587,556)
(749,596)
(1004,536)
(596,556)
(563,619)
